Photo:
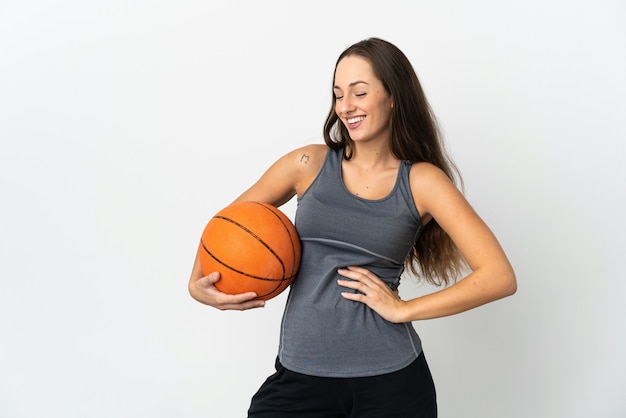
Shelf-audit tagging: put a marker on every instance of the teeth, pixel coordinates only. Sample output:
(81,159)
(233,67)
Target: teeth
(357,119)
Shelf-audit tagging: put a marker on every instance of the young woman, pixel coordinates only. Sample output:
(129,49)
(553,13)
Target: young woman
(379,196)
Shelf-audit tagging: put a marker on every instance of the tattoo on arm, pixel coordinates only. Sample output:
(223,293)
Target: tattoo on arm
(304,159)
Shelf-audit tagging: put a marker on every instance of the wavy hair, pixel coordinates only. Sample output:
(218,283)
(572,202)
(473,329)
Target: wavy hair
(415,137)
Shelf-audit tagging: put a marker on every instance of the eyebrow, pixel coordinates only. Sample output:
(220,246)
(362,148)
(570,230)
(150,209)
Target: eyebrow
(354,83)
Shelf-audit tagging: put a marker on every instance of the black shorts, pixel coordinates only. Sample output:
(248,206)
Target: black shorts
(407,393)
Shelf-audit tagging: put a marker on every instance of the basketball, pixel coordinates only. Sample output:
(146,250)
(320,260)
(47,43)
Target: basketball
(254,246)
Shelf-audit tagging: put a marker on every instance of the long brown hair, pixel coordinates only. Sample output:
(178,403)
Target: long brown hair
(415,137)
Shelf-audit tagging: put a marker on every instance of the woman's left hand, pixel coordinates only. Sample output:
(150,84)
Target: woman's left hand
(373,292)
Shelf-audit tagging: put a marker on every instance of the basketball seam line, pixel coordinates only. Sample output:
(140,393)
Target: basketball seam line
(291,238)
(243,273)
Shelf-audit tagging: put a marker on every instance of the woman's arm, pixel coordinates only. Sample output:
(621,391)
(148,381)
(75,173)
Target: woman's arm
(288,176)
(491,277)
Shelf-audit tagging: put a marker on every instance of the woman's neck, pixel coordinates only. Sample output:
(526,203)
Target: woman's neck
(373,156)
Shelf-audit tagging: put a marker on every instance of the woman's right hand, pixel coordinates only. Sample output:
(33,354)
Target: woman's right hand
(202,288)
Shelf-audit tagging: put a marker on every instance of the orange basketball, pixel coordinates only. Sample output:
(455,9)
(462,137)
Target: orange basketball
(254,246)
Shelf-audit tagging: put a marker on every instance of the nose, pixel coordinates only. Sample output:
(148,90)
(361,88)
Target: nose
(345,105)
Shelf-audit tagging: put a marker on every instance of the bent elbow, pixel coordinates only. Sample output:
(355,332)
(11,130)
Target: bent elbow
(511,284)
(193,291)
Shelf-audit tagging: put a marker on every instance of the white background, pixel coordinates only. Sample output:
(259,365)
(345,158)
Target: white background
(125,125)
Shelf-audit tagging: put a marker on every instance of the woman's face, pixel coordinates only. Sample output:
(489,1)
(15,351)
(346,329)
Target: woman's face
(361,101)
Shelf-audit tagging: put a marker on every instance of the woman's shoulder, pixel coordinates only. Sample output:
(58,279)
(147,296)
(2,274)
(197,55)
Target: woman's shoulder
(312,150)
(309,156)
(426,178)
(304,164)
(424,172)
(431,185)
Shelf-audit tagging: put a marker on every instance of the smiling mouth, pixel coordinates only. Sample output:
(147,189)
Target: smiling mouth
(355,119)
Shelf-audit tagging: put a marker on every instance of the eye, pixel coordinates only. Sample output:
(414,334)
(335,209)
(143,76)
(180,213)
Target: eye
(360,94)
(338,97)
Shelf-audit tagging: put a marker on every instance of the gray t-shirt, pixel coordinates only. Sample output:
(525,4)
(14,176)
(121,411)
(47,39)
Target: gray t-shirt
(322,333)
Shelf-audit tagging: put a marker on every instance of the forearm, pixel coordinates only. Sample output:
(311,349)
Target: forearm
(478,288)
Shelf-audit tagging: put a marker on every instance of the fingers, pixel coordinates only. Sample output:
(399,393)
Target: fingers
(371,291)
(368,286)
(242,306)
(362,281)
(210,295)
(240,302)
(209,279)
(243,299)
(362,278)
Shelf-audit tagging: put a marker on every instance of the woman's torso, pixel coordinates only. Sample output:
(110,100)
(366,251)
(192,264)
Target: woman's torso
(322,333)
